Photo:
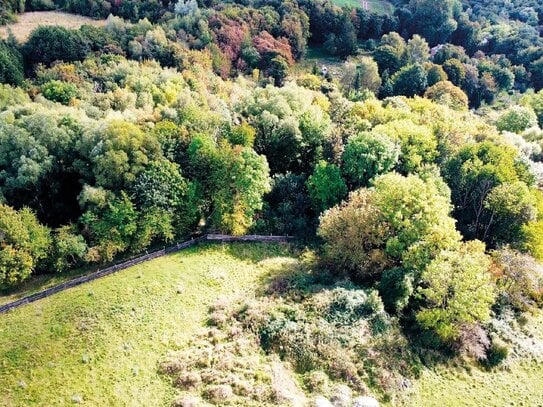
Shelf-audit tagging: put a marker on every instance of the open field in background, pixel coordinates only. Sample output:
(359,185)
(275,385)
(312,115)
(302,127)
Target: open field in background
(27,22)
(377,6)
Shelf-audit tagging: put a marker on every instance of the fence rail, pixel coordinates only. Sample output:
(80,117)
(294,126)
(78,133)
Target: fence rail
(137,260)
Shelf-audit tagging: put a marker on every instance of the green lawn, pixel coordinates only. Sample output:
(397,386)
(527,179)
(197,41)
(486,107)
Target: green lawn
(99,344)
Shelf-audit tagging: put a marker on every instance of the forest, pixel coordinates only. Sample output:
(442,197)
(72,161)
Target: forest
(413,173)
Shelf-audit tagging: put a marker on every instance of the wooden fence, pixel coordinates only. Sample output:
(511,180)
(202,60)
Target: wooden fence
(137,260)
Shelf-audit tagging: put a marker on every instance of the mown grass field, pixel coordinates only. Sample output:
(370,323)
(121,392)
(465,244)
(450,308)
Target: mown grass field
(27,22)
(100,344)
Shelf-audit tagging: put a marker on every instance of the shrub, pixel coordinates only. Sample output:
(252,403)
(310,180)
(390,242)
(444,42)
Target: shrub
(69,248)
(60,92)
(445,93)
(354,236)
(326,187)
(449,300)
(497,353)
(519,279)
(368,155)
(473,342)
(48,44)
(24,243)
(348,307)
(516,119)
(396,288)
(11,65)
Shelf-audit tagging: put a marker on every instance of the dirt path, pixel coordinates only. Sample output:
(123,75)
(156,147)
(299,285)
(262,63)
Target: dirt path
(27,22)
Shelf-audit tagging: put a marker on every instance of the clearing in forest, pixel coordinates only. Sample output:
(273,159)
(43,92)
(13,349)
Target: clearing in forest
(27,22)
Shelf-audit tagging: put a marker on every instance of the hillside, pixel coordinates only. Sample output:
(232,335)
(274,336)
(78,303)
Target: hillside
(103,343)
(398,145)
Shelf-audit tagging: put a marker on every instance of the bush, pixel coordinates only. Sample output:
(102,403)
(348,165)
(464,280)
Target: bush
(447,94)
(516,119)
(368,155)
(48,44)
(11,65)
(519,279)
(326,187)
(60,92)
(24,244)
(396,288)
(69,248)
(354,236)
(497,353)
(348,307)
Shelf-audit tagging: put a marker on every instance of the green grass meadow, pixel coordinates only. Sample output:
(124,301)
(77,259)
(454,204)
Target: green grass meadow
(100,344)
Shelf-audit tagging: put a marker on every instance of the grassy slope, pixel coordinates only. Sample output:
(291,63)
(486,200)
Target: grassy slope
(521,384)
(102,341)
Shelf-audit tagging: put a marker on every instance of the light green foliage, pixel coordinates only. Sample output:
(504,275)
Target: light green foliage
(417,50)
(361,73)
(243,135)
(368,155)
(535,101)
(10,96)
(418,144)
(472,173)
(112,228)
(516,119)
(418,213)
(326,187)
(290,127)
(533,239)
(456,289)
(60,92)
(401,221)
(239,182)
(24,244)
(119,152)
(69,248)
(511,205)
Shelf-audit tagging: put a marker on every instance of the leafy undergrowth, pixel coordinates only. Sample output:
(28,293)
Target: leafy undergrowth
(100,344)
